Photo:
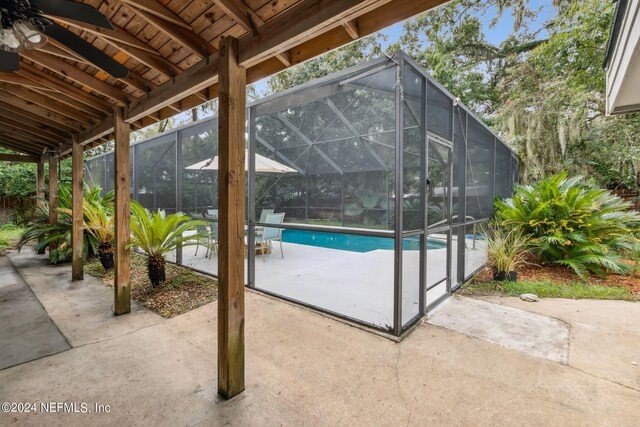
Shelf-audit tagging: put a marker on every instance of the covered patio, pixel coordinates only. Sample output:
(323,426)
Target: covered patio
(304,368)
(56,102)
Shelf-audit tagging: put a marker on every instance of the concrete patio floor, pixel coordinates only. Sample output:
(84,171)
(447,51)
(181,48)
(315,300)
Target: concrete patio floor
(303,368)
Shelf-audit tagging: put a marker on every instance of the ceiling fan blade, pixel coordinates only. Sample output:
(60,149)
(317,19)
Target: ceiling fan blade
(9,61)
(76,11)
(86,50)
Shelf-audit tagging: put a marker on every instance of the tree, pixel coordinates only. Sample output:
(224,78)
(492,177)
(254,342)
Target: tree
(354,53)
(555,104)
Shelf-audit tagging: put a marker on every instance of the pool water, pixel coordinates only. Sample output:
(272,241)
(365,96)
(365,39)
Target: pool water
(353,243)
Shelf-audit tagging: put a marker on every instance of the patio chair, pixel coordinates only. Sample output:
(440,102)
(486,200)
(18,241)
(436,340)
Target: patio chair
(263,219)
(268,234)
(204,231)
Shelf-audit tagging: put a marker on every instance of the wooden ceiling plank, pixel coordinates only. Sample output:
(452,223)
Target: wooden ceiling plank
(70,101)
(77,75)
(22,81)
(26,139)
(187,38)
(7,125)
(13,145)
(116,35)
(47,103)
(30,107)
(29,115)
(81,96)
(29,128)
(13,114)
(157,9)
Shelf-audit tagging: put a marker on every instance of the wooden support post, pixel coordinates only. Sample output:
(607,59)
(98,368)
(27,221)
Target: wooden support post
(231,204)
(122,255)
(40,189)
(53,193)
(77,222)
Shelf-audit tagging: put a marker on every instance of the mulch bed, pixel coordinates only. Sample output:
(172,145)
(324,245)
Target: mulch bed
(183,291)
(560,274)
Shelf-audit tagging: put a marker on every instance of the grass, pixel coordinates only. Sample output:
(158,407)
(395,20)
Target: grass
(183,291)
(9,235)
(549,289)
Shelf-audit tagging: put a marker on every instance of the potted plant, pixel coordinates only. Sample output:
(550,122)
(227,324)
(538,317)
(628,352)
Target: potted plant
(156,234)
(506,250)
(99,223)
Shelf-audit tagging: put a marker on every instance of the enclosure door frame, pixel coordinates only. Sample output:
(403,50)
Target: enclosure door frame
(446,227)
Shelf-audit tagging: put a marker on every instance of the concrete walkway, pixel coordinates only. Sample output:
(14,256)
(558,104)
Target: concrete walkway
(26,331)
(303,368)
(514,328)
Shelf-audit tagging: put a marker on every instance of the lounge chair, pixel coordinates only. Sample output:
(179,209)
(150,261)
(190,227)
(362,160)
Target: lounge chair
(266,235)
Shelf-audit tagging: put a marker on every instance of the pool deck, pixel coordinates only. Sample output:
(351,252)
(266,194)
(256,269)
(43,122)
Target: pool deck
(357,285)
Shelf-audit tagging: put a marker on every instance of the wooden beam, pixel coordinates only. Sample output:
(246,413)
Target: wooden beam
(19,146)
(40,190)
(122,255)
(157,9)
(194,79)
(297,24)
(55,48)
(33,110)
(36,131)
(82,97)
(77,222)
(249,20)
(185,37)
(351,28)
(40,183)
(53,193)
(231,134)
(29,117)
(18,158)
(116,35)
(47,103)
(61,67)
(302,38)
(19,80)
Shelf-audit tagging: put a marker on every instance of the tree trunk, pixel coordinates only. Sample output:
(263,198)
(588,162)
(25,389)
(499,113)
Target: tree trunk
(105,252)
(156,270)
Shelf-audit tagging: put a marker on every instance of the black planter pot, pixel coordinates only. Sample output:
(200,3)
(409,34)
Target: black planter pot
(505,276)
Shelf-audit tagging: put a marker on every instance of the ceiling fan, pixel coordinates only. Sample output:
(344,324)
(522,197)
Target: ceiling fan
(23,25)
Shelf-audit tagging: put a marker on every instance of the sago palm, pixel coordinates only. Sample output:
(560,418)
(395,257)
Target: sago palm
(99,223)
(573,223)
(157,234)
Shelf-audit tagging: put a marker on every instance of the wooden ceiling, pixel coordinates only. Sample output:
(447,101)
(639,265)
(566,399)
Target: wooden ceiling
(170,48)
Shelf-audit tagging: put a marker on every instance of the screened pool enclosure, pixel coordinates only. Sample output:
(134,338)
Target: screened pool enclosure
(368,191)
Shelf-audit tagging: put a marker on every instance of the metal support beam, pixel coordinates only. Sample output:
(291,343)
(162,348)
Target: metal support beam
(77,223)
(310,143)
(122,209)
(356,134)
(231,191)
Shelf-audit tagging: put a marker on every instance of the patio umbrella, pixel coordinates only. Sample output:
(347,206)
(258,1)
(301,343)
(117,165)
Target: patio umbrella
(263,164)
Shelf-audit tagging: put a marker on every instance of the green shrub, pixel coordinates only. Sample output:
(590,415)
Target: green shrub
(42,234)
(573,223)
(506,249)
(156,234)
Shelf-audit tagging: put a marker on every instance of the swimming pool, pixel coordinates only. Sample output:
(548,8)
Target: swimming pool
(353,243)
